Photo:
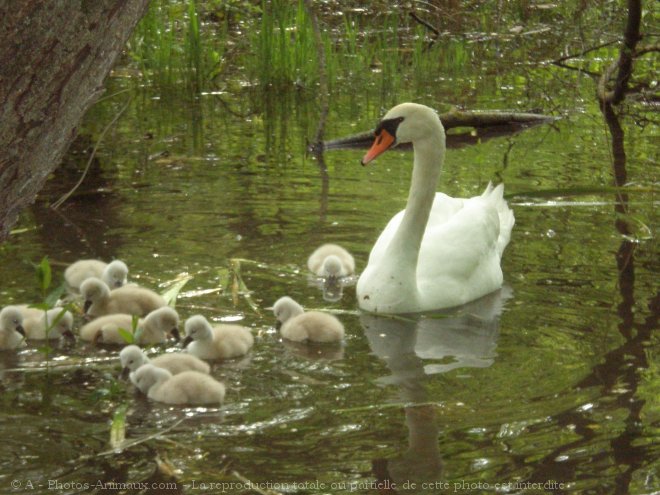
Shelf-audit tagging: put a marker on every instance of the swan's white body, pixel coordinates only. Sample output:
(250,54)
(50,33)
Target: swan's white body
(440,251)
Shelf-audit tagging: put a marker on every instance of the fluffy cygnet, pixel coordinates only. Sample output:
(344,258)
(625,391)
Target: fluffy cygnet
(217,342)
(113,274)
(36,321)
(130,299)
(132,357)
(331,261)
(153,329)
(12,334)
(189,387)
(300,326)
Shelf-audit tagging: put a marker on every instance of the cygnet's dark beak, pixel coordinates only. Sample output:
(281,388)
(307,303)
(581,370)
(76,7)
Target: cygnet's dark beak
(186,341)
(88,303)
(69,336)
(278,324)
(20,329)
(118,283)
(175,333)
(125,371)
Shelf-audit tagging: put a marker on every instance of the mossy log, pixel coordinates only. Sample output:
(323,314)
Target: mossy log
(53,60)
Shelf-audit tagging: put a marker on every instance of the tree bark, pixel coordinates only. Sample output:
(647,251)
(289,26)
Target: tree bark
(54,57)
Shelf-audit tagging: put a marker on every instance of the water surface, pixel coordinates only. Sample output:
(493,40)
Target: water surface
(551,383)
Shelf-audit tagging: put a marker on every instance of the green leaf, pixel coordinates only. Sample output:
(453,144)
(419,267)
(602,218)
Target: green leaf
(118,427)
(128,337)
(44,274)
(172,293)
(55,294)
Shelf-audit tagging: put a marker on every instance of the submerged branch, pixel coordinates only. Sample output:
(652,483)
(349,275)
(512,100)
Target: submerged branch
(67,195)
(425,24)
(488,124)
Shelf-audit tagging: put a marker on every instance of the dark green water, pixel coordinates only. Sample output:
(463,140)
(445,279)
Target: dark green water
(552,384)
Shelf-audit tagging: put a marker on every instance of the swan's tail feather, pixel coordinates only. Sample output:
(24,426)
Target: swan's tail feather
(495,195)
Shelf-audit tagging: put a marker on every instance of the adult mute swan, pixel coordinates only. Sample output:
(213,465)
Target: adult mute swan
(440,251)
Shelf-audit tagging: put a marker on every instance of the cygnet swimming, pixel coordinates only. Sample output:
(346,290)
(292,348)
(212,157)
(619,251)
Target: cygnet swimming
(12,334)
(113,274)
(153,329)
(58,322)
(132,357)
(216,342)
(331,261)
(300,326)
(129,299)
(189,387)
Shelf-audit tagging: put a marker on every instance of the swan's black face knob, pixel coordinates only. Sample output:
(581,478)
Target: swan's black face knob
(385,138)
(389,125)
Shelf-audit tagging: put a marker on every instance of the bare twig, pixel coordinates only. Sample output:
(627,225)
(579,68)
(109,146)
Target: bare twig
(582,53)
(425,24)
(66,196)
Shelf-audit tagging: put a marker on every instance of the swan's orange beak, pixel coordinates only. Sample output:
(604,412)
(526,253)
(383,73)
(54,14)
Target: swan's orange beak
(383,142)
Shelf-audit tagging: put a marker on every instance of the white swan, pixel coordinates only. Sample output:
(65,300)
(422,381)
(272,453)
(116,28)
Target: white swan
(12,334)
(132,357)
(113,274)
(331,261)
(217,342)
(129,299)
(300,326)
(440,251)
(153,329)
(58,321)
(189,387)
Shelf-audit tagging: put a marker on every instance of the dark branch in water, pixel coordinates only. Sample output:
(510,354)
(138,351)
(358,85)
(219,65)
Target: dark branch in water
(425,24)
(487,124)
(624,65)
(436,33)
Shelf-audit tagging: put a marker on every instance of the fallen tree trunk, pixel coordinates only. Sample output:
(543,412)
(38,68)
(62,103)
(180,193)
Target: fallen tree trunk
(487,124)
(53,60)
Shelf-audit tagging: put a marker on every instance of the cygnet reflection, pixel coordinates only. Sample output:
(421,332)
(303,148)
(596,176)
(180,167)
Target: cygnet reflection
(332,288)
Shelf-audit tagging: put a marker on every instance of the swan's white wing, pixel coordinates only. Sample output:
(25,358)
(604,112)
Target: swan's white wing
(459,255)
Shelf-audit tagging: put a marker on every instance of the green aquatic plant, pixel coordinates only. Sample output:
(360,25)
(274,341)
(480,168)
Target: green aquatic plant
(174,50)
(132,336)
(44,274)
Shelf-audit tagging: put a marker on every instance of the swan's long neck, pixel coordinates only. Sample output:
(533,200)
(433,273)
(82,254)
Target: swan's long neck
(429,155)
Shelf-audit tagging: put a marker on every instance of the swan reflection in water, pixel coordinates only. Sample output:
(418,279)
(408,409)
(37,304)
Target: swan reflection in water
(414,347)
